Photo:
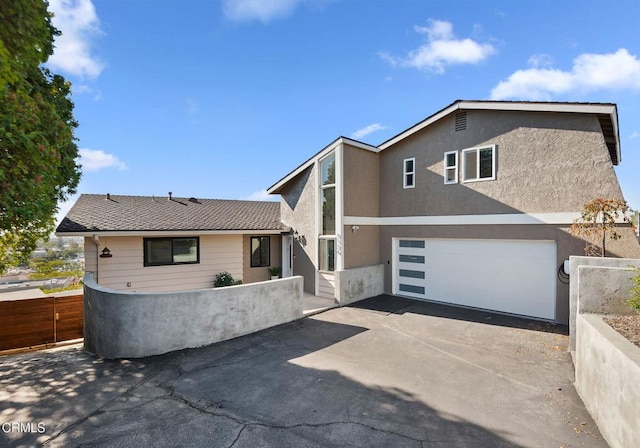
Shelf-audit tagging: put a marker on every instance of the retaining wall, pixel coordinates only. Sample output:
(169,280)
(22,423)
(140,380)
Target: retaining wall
(607,365)
(357,284)
(120,324)
(611,290)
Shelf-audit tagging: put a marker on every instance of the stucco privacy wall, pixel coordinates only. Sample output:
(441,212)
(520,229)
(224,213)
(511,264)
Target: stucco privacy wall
(119,324)
(607,364)
(595,291)
(357,284)
(218,253)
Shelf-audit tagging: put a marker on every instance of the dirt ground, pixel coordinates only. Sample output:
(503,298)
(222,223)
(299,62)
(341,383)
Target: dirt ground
(627,326)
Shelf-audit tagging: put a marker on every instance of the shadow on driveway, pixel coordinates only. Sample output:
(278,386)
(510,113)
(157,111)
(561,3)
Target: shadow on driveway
(397,305)
(353,376)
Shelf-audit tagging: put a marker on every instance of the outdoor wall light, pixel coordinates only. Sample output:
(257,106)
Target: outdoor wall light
(106,253)
(354,229)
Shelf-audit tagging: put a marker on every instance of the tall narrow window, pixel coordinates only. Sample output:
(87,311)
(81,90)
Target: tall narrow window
(479,164)
(451,167)
(326,247)
(409,172)
(260,251)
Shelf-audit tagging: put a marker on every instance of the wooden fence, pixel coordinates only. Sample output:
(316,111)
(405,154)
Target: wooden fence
(33,322)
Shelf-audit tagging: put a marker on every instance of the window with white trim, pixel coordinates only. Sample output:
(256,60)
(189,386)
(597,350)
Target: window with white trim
(451,167)
(327,237)
(479,164)
(409,172)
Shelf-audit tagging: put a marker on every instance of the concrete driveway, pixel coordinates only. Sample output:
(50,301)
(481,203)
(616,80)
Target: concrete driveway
(386,372)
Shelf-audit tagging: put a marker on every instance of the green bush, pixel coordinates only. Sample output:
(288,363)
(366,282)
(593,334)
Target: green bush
(634,302)
(223,279)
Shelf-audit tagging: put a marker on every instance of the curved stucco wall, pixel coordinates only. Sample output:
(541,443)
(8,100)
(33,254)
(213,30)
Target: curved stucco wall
(120,324)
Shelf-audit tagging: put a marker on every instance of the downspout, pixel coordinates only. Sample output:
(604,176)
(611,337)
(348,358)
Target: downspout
(96,240)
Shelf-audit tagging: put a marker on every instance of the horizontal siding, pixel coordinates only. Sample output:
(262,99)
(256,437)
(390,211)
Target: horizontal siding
(218,253)
(326,285)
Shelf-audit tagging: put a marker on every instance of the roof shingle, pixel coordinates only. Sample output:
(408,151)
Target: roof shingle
(107,213)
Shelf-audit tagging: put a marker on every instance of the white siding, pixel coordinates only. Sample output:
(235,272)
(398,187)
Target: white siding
(218,253)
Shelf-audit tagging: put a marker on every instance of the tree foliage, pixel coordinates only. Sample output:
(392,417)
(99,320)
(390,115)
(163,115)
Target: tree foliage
(597,223)
(38,148)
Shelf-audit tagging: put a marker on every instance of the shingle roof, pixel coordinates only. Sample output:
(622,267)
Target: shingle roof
(111,213)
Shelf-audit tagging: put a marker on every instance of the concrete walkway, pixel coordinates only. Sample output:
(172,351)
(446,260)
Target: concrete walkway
(384,373)
(313,304)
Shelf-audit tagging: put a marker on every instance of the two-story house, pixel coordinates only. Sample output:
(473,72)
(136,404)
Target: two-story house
(471,206)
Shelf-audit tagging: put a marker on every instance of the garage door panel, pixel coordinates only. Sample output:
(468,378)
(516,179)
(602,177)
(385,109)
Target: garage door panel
(504,275)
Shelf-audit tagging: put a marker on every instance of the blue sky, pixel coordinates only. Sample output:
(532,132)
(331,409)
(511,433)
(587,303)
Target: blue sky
(221,98)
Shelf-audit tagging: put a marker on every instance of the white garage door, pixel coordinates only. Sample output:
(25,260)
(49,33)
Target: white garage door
(517,277)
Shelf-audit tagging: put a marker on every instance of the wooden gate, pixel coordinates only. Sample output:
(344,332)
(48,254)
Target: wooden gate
(47,320)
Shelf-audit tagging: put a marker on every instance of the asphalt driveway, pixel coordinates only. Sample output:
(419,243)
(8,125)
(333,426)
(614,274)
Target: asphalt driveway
(384,373)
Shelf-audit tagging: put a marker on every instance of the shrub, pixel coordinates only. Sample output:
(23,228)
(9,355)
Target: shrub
(634,301)
(223,279)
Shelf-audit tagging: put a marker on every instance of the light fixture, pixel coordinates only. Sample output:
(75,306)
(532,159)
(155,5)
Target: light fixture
(106,253)
(354,229)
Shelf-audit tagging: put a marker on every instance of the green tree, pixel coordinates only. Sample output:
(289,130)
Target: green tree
(597,223)
(38,148)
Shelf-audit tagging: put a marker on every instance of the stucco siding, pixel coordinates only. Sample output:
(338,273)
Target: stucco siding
(260,274)
(362,175)
(218,253)
(362,247)
(545,162)
(298,210)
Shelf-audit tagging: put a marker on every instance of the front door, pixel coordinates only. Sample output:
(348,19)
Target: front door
(287,256)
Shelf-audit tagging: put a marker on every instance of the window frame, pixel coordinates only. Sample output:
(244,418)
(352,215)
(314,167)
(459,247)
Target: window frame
(260,238)
(406,173)
(447,168)
(477,150)
(147,263)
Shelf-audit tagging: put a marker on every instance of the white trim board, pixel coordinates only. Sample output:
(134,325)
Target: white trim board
(453,220)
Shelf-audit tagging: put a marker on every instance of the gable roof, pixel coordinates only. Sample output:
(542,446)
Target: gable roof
(275,188)
(606,112)
(94,214)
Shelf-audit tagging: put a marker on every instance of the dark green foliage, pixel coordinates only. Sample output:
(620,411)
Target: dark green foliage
(38,148)
(223,279)
(634,302)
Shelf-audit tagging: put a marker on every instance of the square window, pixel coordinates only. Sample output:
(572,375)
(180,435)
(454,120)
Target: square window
(479,164)
(409,173)
(260,251)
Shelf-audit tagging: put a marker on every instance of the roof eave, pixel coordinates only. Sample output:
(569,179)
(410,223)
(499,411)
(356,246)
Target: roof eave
(609,110)
(277,187)
(157,233)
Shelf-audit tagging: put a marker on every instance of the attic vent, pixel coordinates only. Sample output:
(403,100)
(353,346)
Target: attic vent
(194,200)
(461,121)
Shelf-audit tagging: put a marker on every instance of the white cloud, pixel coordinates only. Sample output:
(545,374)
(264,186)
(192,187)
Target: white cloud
(368,130)
(262,195)
(540,60)
(262,10)
(96,159)
(634,134)
(79,23)
(442,49)
(613,71)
